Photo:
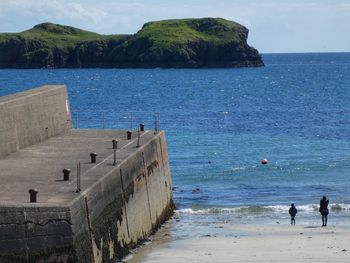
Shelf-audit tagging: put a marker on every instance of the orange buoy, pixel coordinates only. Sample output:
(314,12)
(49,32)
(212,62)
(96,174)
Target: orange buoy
(264,161)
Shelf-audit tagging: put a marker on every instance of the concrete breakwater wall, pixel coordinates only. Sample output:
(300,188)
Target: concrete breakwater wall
(118,205)
(32,116)
(124,208)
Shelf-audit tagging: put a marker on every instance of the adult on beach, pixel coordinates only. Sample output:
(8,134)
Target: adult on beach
(324,210)
(292,211)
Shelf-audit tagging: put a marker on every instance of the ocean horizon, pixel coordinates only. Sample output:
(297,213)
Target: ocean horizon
(220,124)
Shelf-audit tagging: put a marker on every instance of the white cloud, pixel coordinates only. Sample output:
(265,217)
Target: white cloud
(21,14)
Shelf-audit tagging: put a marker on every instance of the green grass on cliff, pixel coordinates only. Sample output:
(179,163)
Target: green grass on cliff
(54,35)
(182,31)
(176,31)
(163,34)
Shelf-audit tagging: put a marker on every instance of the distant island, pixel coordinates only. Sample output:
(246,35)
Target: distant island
(178,43)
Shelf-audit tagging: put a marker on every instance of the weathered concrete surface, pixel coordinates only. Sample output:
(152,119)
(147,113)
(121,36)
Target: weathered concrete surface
(32,116)
(118,206)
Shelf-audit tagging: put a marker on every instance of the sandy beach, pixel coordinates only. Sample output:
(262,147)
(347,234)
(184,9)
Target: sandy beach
(251,243)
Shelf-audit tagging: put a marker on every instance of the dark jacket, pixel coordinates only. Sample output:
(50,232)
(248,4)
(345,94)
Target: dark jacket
(324,206)
(293,211)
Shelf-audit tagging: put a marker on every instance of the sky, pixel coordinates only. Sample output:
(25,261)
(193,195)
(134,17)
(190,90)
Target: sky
(275,26)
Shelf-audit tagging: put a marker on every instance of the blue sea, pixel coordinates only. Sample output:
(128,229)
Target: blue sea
(220,124)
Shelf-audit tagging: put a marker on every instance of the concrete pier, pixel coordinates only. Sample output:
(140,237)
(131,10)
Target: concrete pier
(121,201)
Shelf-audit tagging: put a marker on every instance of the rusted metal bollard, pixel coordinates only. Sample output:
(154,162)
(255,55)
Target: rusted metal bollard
(66,173)
(93,157)
(128,135)
(33,194)
(142,127)
(115,144)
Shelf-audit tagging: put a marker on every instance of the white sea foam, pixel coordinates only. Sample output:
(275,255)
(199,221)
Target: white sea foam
(309,208)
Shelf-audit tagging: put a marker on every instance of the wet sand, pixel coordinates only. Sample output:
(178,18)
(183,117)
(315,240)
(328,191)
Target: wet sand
(250,243)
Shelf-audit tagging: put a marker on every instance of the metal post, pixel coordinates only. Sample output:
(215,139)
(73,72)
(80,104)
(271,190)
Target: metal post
(78,178)
(115,146)
(115,157)
(138,138)
(156,122)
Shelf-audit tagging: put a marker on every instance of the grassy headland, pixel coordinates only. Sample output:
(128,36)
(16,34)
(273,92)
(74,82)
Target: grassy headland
(206,42)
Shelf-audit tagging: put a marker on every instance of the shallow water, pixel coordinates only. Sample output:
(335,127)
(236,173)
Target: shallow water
(221,122)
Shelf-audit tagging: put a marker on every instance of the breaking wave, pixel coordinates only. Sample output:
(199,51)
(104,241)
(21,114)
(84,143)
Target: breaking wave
(310,208)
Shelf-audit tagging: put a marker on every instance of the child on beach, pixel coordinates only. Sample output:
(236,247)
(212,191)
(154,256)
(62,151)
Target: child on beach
(292,211)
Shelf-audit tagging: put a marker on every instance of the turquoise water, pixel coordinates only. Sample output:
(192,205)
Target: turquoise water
(220,123)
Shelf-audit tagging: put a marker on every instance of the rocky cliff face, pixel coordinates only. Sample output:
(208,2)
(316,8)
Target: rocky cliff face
(206,42)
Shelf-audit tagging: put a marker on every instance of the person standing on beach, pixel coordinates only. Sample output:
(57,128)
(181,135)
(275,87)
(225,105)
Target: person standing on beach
(324,210)
(292,211)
